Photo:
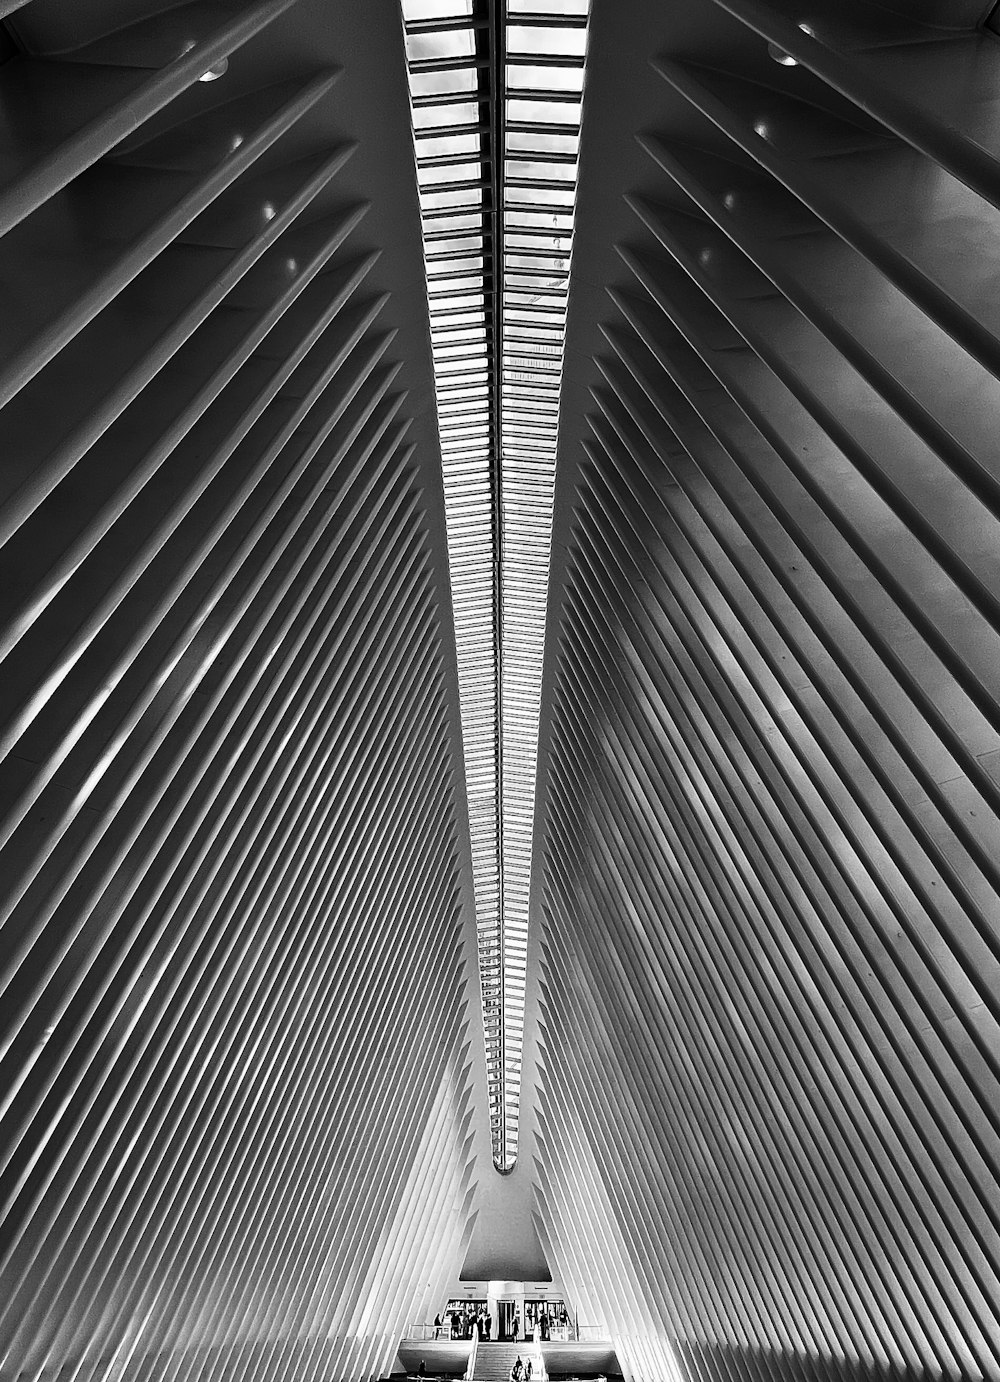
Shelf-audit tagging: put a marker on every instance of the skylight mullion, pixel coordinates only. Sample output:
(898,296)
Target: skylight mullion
(446,23)
(459,216)
(536,152)
(538,129)
(522,19)
(521,60)
(422,67)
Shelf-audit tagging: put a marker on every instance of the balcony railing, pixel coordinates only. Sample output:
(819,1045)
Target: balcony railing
(428,1333)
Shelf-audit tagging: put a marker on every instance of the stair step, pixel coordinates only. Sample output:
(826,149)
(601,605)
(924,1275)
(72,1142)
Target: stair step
(494,1361)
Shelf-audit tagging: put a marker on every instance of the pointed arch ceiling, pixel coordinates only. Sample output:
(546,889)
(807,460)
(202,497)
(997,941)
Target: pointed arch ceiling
(243,1127)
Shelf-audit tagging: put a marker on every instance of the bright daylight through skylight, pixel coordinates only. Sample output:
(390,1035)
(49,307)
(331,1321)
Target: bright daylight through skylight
(496,97)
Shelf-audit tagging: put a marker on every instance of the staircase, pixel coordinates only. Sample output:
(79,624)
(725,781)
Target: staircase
(494,1361)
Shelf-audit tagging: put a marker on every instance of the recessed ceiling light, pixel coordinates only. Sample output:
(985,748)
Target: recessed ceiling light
(780,56)
(217,70)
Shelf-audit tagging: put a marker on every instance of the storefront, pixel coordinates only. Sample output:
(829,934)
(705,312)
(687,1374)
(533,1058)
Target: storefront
(549,1317)
(461,1317)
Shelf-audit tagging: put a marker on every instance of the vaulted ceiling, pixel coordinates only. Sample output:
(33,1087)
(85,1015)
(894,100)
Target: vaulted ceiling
(246,1123)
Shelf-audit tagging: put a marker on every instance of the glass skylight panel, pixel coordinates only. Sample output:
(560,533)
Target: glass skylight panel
(540,182)
(555,41)
(446,87)
(416,10)
(436,44)
(438,116)
(497,350)
(441,81)
(537,77)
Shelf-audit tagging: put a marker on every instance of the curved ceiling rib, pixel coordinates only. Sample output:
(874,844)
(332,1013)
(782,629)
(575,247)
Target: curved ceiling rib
(496,94)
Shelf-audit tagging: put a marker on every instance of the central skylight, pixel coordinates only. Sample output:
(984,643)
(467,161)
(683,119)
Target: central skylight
(495,92)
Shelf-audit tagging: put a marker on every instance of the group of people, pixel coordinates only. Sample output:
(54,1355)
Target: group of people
(539,1320)
(521,1372)
(470,1319)
(463,1324)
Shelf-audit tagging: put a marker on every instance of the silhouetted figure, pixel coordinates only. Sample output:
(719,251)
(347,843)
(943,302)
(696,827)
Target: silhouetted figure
(422,1370)
(517,1371)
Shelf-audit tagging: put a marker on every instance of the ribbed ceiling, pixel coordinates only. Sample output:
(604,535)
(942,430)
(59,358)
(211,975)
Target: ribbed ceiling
(244,1129)
(240,1087)
(768,1141)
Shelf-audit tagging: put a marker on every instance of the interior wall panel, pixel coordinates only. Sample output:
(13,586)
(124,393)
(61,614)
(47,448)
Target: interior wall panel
(768,889)
(238,1112)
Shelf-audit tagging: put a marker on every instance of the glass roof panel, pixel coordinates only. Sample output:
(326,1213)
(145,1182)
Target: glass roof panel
(438,174)
(451,113)
(566,40)
(531,76)
(545,196)
(452,283)
(415,10)
(497,381)
(464,392)
(465,264)
(537,169)
(543,262)
(525,109)
(538,141)
(538,242)
(441,43)
(579,8)
(454,79)
(451,199)
(431,145)
(467,335)
(441,226)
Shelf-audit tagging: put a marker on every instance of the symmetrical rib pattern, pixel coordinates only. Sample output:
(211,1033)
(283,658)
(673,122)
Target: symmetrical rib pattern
(237,1120)
(770,964)
(236,1106)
